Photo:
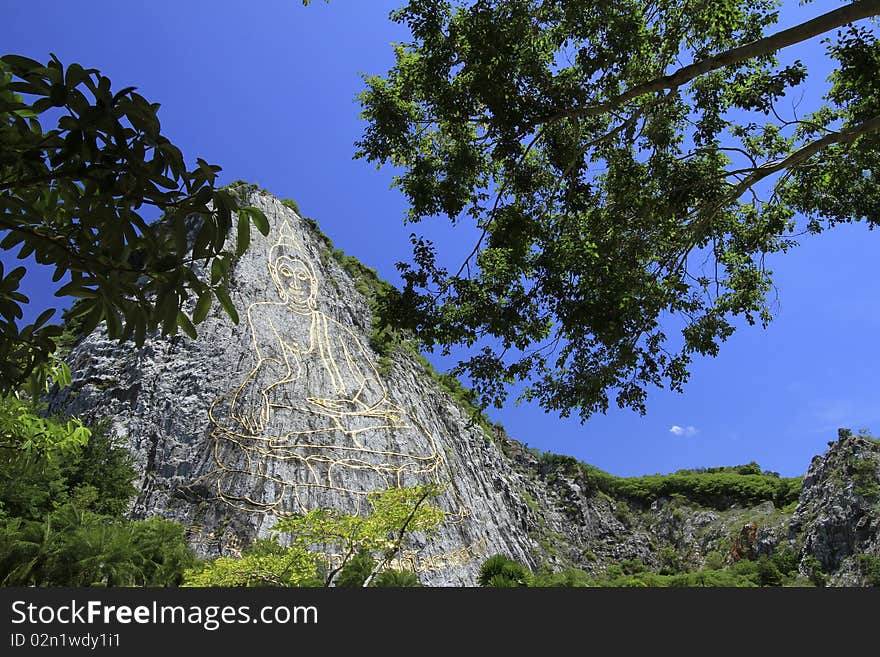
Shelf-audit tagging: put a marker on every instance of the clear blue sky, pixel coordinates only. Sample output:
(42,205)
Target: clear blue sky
(267,90)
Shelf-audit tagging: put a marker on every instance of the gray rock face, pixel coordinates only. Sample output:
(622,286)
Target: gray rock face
(286,412)
(839,510)
(576,525)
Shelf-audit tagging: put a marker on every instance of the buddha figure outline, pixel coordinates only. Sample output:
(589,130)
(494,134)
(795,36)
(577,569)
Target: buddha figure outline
(312,420)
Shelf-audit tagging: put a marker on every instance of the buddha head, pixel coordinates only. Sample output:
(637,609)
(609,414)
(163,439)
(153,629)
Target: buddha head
(292,273)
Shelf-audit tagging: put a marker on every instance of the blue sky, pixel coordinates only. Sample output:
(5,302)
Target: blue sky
(267,90)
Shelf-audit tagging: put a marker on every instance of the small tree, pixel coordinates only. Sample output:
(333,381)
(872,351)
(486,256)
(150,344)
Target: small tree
(347,549)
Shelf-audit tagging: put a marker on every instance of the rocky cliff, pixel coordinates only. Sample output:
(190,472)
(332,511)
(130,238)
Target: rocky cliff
(827,526)
(293,408)
(288,411)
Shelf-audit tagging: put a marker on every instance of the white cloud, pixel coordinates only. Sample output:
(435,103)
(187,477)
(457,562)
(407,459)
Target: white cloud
(676,430)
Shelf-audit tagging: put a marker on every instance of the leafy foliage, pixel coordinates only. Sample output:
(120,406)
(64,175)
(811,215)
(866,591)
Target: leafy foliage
(343,549)
(618,194)
(103,469)
(568,578)
(263,567)
(77,197)
(73,547)
(719,488)
(778,569)
(869,567)
(357,570)
(63,490)
(393,578)
(502,571)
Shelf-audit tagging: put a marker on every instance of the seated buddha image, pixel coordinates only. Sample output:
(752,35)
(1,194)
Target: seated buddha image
(311,424)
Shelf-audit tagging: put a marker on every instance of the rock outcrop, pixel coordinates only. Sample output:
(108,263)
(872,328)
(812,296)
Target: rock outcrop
(832,530)
(838,516)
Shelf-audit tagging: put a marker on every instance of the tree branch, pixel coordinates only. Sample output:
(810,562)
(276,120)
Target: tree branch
(845,136)
(807,30)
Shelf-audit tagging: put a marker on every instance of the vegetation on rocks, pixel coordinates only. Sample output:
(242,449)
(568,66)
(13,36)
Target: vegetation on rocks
(719,487)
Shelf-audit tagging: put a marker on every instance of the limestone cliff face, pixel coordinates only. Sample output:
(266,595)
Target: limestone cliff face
(287,411)
(291,409)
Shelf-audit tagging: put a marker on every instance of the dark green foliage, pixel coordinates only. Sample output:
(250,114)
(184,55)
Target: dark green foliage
(265,546)
(290,203)
(713,487)
(747,469)
(72,547)
(718,490)
(161,552)
(30,485)
(633,566)
(609,179)
(502,571)
(396,579)
(105,466)
(356,570)
(623,513)
(869,567)
(768,572)
(97,476)
(73,197)
(710,578)
(671,562)
(866,479)
(72,330)
(714,561)
(787,561)
(815,570)
(61,521)
(568,578)
(614,577)
(776,570)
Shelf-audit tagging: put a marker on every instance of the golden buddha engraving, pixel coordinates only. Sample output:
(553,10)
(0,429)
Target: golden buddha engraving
(312,423)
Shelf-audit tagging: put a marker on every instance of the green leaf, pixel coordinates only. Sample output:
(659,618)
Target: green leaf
(21,64)
(44,317)
(114,324)
(258,218)
(187,326)
(76,289)
(220,268)
(223,297)
(93,317)
(58,95)
(140,331)
(203,305)
(244,234)
(75,74)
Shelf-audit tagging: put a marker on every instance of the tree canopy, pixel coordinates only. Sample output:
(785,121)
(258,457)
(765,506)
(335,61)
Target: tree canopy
(84,197)
(625,199)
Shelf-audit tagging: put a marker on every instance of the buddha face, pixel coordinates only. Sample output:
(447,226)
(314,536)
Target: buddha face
(295,280)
